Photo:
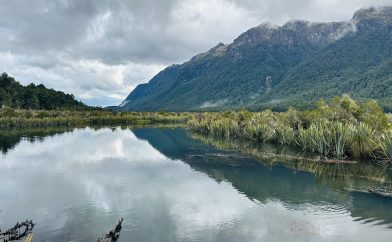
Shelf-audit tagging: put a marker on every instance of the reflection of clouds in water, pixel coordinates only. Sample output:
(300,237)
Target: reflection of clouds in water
(203,206)
(86,145)
(87,179)
(112,172)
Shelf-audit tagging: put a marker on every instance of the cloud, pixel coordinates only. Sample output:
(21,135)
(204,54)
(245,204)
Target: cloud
(100,50)
(214,104)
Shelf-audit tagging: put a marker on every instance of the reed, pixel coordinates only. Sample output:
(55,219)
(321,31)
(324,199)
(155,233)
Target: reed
(372,174)
(42,118)
(304,139)
(285,135)
(339,129)
(361,140)
(340,138)
(319,140)
(386,145)
(260,131)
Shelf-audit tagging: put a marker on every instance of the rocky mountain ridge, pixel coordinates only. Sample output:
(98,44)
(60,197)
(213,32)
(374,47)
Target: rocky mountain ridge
(274,66)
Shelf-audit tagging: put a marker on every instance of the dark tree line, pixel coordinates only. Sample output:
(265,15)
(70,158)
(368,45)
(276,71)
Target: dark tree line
(15,95)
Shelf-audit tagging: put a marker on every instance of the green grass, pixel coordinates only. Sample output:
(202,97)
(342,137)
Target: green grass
(338,129)
(386,146)
(374,174)
(362,141)
(42,118)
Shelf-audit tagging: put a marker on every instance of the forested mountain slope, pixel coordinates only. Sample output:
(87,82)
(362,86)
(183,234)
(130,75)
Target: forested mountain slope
(277,67)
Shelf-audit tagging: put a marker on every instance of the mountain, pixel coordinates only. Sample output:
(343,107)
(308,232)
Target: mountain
(280,66)
(13,94)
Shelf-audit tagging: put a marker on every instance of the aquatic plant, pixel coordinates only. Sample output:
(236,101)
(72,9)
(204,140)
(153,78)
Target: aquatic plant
(304,139)
(339,128)
(285,135)
(41,118)
(271,154)
(340,137)
(361,140)
(318,136)
(386,145)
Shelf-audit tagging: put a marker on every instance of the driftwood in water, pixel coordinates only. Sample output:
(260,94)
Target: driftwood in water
(380,192)
(375,191)
(19,231)
(113,234)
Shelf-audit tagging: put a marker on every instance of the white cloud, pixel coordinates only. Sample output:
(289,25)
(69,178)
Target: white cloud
(100,50)
(84,176)
(89,80)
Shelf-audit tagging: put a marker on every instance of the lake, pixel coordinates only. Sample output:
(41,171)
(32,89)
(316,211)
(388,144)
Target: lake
(75,184)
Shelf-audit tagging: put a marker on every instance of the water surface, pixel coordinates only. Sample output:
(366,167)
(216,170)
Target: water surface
(76,184)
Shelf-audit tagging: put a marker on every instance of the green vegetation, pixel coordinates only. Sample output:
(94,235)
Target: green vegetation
(39,118)
(340,129)
(386,145)
(278,68)
(356,64)
(373,174)
(13,94)
(37,106)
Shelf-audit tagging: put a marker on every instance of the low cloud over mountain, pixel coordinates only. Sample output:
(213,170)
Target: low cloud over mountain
(100,50)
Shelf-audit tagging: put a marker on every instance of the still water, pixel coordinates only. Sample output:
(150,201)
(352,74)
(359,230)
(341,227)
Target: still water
(76,184)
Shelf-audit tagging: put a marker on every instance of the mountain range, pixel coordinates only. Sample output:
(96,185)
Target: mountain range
(277,67)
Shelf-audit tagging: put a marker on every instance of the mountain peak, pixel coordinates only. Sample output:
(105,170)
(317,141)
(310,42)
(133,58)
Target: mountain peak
(267,25)
(374,12)
(367,17)
(295,31)
(280,66)
(217,50)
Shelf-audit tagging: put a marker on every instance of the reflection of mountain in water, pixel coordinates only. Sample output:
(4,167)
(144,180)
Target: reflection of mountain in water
(261,182)
(292,183)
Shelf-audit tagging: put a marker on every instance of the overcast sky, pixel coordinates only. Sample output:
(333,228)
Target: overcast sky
(99,50)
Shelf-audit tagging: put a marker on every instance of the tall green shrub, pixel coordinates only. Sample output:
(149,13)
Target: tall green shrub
(361,141)
(386,145)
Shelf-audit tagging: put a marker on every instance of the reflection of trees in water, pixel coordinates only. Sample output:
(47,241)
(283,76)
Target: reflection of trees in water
(274,175)
(362,174)
(11,137)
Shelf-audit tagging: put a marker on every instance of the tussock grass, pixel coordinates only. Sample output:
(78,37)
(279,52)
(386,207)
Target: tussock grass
(340,128)
(386,145)
(362,142)
(42,118)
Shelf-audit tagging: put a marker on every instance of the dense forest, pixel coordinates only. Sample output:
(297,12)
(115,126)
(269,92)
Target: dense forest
(271,67)
(15,95)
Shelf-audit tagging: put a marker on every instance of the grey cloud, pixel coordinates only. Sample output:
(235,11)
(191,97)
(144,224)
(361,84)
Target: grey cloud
(106,48)
(130,30)
(44,25)
(281,11)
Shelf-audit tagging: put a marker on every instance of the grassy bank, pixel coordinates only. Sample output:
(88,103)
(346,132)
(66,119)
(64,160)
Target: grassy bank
(340,128)
(367,174)
(41,118)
